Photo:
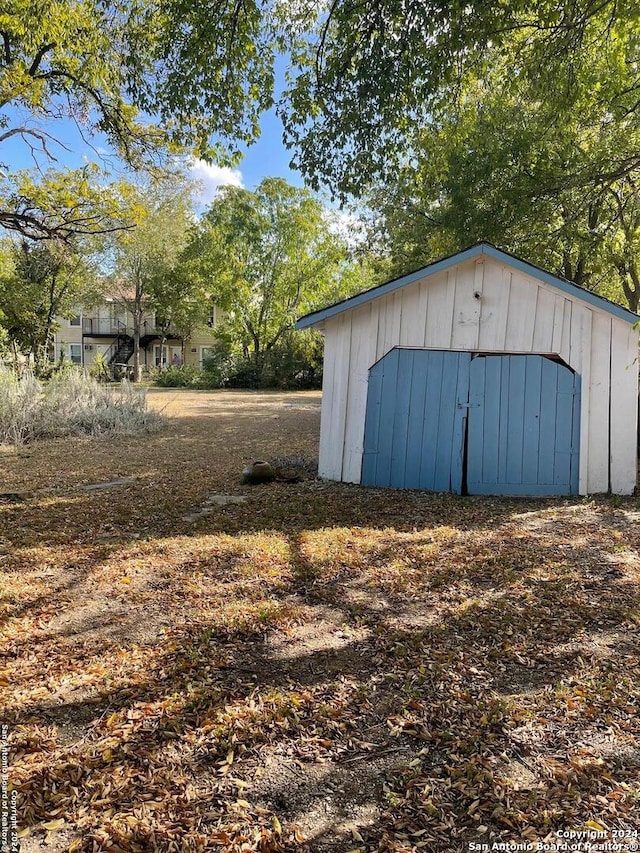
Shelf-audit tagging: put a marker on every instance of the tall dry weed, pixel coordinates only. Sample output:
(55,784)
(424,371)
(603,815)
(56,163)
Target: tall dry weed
(72,404)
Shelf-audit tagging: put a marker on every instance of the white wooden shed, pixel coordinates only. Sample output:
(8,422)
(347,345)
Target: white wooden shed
(480,373)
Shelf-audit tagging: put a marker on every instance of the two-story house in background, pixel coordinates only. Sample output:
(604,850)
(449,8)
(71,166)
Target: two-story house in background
(107,331)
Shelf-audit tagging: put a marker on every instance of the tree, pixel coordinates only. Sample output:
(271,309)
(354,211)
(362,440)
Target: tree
(182,302)
(377,72)
(532,177)
(61,205)
(622,240)
(147,75)
(141,262)
(39,283)
(268,257)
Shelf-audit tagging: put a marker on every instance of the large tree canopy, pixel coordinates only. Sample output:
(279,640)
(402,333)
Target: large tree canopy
(194,71)
(146,74)
(377,71)
(552,181)
(365,72)
(513,122)
(269,256)
(499,163)
(39,284)
(61,205)
(378,89)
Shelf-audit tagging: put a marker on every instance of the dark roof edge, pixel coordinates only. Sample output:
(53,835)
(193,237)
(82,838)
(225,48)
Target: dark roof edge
(474,251)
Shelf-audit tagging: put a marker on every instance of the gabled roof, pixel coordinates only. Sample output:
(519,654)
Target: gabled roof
(562,284)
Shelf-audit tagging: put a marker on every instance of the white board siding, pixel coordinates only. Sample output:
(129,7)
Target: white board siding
(466,308)
(522,314)
(379,316)
(515,313)
(624,407)
(494,309)
(413,316)
(544,321)
(558,322)
(564,350)
(362,356)
(384,315)
(389,318)
(332,427)
(326,451)
(600,377)
(580,360)
(440,311)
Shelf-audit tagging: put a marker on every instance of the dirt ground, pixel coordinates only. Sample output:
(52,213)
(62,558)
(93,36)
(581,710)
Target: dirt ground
(197,664)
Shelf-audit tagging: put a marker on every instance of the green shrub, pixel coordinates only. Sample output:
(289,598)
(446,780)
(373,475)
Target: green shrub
(294,364)
(73,404)
(100,368)
(178,376)
(241,372)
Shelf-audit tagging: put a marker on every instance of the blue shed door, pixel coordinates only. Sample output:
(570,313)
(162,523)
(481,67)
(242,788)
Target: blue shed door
(415,420)
(523,430)
(521,436)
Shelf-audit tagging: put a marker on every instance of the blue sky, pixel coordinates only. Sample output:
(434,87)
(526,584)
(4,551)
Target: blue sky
(266,157)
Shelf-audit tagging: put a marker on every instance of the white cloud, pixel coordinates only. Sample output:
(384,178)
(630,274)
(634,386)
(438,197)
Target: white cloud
(211,177)
(346,225)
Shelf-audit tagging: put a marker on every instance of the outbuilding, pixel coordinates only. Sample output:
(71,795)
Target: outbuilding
(480,374)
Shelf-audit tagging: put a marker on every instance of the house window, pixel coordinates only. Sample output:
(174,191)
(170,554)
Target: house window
(211,316)
(75,321)
(75,353)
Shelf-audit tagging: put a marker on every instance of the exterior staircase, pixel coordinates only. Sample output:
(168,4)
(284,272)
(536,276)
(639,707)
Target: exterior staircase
(122,351)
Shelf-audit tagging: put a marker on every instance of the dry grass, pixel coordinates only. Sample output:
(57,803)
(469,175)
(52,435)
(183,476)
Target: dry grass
(72,404)
(323,667)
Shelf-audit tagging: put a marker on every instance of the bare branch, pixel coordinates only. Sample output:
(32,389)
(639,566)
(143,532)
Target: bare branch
(113,119)
(36,227)
(41,135)
(107,160)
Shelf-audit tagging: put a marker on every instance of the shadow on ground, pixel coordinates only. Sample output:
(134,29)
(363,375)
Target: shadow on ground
(322,668)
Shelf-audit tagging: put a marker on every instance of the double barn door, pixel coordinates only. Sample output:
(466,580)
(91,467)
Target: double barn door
(484,424)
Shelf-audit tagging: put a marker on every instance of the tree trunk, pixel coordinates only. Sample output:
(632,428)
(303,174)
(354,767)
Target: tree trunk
(163,341)
(15,357)
(137,367)
(630,281)
(40,358)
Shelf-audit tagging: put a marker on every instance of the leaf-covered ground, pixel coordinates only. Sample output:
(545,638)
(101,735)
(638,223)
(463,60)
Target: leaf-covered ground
(321,668)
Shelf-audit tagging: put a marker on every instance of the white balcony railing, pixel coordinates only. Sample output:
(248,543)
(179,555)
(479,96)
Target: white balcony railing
(102,326)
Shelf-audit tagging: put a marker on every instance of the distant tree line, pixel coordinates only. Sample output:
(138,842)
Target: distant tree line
(263,258)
